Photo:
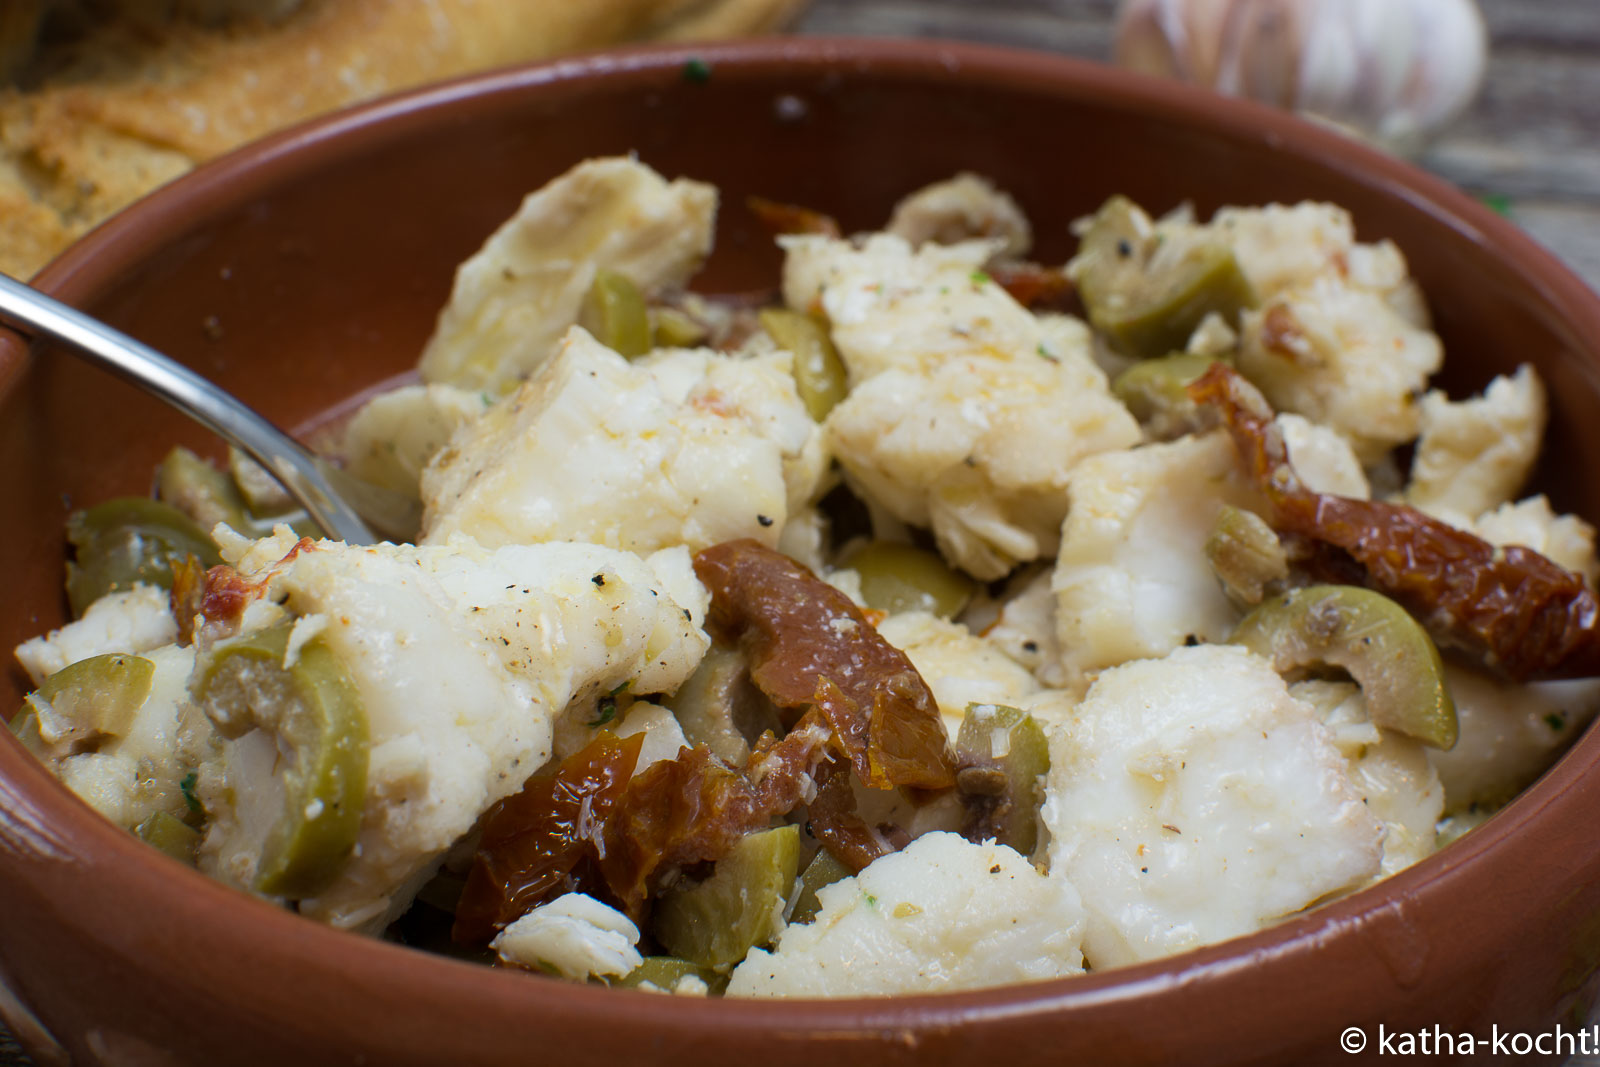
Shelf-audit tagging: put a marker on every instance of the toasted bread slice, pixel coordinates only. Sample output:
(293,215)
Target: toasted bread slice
(132,106)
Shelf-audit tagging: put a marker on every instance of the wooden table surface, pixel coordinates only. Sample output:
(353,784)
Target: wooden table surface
(1532,137)
(1531,140)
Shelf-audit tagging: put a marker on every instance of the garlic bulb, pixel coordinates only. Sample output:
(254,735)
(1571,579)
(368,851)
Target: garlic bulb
(1396,71)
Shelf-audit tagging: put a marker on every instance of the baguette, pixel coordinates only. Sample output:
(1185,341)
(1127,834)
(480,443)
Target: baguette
(132,106)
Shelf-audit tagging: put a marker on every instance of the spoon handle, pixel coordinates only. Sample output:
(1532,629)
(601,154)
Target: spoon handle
(286,459)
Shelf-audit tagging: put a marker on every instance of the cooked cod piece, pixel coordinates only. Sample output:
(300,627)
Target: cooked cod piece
(1282,247)
(394,435)
(575,936)
(960,667)
(1474,455)
(940,914)
(1192,799)
(1340,355)
(1533,523)
(134,771)
(462,658)
(518,295)
(683,447)
(133,621)
(966,412)
(1340,333)
(1391,771)
(960,209)
(1509,734)
(1132,580)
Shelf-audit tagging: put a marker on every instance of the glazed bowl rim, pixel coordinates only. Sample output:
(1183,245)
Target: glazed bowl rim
(32,799)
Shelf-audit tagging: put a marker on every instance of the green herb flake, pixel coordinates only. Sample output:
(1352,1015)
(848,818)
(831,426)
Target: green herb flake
(1047,354)
(872,901)
(1499,203)
(607,711)
(1556,721)
(697,71)
(980,278)
(187,785)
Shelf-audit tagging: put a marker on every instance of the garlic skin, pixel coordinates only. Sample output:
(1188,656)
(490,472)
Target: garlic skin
(1394,71)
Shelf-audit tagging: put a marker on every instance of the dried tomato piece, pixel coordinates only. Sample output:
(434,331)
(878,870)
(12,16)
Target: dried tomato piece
(781,218)
(1526,616)
(1034,285)
(535,840)
(809,645)
(835,823)
(694,809)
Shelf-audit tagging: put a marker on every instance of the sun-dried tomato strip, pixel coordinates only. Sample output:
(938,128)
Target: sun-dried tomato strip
(535,841)
(694,809)
(835,823)
(1524,615)
(1034,285)
(218,595)
(781,218)
(809,645)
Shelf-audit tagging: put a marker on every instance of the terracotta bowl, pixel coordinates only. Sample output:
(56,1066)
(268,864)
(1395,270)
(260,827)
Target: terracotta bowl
(306,269)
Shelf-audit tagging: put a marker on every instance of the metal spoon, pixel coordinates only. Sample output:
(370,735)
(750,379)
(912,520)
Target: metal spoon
(345,507)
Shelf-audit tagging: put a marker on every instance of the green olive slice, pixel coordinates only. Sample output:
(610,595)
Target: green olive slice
(665,972)
(1156,392)
(707,704)
(715,923)
(819,374)
(171,835)
(1387,652)
(1147,295)
(823,870)
(1245,554)
(1003,755)
(129,540)
(898,577)
(675,328)
(201,491)
(92,699)
(614,311)
(315,713)
(24,727)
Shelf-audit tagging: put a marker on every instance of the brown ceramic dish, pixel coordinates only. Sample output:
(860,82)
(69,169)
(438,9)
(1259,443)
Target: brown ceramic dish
(303,270)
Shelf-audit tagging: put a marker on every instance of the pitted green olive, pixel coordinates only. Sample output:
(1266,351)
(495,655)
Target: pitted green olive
(201,491)
(1245,554)
(823,870)
(674,328)
(1004,756)
(1156,392)
(614,311)
(899,577)
(707,704)
(92,699)
(24,727)
(1387,652)
(313,710)
(129,540)
(819,374)
(716,922)
(210,496)
(171,835)
(1148,294)
(665,972)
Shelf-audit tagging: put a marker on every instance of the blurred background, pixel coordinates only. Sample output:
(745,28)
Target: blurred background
(1527,143)
(102,100)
